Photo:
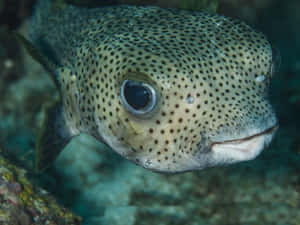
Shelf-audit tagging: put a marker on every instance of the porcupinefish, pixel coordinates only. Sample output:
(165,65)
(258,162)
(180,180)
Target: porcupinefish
(168,89)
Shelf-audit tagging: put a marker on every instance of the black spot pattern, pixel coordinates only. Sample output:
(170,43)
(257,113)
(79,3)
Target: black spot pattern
(204,68)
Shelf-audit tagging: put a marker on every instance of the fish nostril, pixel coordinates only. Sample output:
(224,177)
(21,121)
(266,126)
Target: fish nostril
(260,79)
(190,99)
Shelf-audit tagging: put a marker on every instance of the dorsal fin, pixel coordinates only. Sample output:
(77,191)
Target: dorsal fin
(47,62)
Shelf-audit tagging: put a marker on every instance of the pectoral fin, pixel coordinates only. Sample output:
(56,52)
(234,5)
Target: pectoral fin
(54,136)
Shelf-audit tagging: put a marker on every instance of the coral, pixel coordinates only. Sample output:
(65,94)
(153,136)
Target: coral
(21,202)
(10,190)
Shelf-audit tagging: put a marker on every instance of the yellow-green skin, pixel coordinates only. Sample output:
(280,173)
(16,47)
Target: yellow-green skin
(211,75)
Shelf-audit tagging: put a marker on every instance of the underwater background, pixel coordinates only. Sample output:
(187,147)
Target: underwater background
(101,187)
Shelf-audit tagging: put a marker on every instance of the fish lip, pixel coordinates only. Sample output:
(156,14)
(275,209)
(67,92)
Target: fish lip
(270,130)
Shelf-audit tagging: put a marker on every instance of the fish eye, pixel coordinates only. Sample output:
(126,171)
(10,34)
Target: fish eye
(139,98)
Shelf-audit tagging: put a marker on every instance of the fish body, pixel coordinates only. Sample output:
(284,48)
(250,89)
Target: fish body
(171,90)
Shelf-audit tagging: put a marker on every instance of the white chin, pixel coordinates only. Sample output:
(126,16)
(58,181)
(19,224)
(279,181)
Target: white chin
(241,150)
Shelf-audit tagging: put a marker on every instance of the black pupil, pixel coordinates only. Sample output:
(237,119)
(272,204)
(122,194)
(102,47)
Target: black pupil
(137,96)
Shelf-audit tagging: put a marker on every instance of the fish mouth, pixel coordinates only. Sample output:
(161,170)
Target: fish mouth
(249,138)
(244,148)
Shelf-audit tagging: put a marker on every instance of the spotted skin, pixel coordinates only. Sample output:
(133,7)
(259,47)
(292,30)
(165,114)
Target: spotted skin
(211,74)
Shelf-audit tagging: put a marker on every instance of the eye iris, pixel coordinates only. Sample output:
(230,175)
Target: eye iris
(136,95)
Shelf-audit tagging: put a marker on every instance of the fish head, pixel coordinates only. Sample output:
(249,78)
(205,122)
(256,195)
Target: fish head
(187,101)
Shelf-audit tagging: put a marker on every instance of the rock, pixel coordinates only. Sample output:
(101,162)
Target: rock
(24,203)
